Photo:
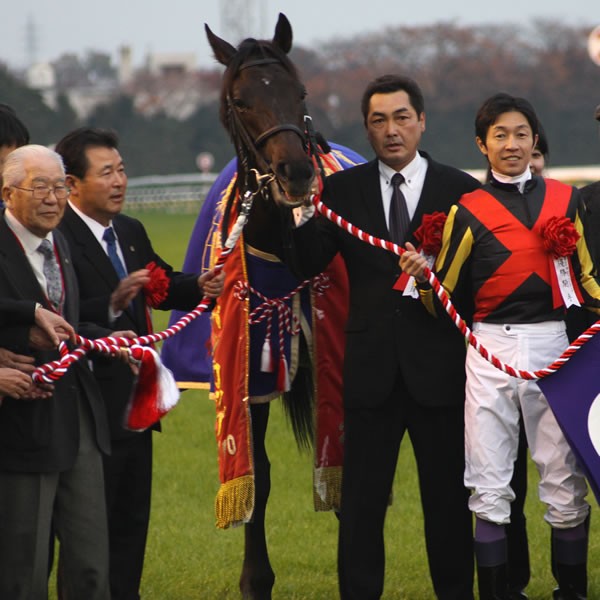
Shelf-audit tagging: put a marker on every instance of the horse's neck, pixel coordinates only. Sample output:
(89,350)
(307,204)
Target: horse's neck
(268,227)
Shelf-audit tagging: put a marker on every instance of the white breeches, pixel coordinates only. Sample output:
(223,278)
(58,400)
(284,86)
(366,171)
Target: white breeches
(493,400)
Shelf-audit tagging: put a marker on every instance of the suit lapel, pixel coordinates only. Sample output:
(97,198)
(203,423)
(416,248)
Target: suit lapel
(71,291)
(132,263)
(90,248)
(429,199)
(16,266)
(370,193)
(128,246)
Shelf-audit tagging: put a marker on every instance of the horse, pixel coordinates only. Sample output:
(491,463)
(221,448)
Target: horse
(264,327)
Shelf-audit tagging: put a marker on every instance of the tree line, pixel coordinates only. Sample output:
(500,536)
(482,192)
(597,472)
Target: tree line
(456,66)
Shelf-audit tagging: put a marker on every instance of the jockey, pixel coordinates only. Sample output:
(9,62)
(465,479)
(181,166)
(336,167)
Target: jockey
(517,243)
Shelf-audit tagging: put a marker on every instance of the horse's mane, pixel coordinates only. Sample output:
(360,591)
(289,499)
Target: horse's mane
(255,49)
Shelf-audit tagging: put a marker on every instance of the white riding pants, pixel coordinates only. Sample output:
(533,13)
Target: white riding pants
(493,400)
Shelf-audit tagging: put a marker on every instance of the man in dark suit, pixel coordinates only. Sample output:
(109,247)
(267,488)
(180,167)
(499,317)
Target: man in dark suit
(579,318)
(112,296)
(15,382)
(50,448)
(403,371)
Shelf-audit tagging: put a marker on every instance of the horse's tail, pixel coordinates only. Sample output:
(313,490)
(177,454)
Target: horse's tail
(299,402)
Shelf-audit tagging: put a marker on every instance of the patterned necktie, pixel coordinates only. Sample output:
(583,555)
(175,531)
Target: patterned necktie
(52,274)
(111,242)
(399,219)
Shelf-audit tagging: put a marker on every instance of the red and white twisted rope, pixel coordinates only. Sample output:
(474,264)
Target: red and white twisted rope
(287,321)
(54,370)
(451,310)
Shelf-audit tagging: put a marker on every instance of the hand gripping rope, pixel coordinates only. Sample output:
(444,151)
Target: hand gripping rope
(449,307)
(54,370)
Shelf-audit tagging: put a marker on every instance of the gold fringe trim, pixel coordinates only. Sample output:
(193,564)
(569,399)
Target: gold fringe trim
(327,488)
(234,503)
(193,385)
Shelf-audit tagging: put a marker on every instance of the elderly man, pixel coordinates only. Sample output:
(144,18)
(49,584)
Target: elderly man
(14,381)
(50,455)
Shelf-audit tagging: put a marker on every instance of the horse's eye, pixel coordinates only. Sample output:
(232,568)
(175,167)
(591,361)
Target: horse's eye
(303,94)
(240,104)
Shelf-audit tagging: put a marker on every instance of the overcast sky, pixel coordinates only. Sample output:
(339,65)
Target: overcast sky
(177,25)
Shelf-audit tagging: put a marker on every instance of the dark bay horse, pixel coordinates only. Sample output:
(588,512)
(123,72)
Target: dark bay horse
(258,352)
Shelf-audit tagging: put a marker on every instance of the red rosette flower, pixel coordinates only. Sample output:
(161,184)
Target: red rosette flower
(430,232)
(157,289)
(560,236)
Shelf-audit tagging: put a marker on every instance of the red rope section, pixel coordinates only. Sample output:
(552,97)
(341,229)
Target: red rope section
(54,370)
(451,310)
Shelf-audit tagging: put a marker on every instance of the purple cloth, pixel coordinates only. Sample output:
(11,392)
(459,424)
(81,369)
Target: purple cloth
(186,353)
(573,393)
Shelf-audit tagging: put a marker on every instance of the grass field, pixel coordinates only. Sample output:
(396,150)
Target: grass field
(188,558)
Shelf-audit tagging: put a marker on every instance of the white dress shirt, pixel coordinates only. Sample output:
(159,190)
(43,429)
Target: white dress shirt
(414,177)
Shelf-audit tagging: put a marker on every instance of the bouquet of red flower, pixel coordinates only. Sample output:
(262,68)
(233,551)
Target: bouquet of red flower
(157,289)
(560,236)
(430,232)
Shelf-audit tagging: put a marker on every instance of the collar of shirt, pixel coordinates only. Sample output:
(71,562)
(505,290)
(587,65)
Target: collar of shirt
(414,177)
(97,230)
(30,243)
(519,180)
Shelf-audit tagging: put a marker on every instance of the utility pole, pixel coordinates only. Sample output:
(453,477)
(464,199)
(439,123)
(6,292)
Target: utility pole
(242,18)
(31,42)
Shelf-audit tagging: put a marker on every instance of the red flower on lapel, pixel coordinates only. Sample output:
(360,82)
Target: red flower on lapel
(560,236)
(430,232)
(157,289)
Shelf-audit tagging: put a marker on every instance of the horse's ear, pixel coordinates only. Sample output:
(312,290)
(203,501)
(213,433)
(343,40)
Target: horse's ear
(222,50)
(283,34)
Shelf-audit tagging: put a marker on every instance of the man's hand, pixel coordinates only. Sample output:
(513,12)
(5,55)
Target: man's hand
(54,326)
(22,363)
(38,391)
(123,353)
(128,289)
(14,383)
(39,339)
(211,284)
(412,263)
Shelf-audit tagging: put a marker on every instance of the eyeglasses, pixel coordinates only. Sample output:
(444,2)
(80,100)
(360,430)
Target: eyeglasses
(41,192)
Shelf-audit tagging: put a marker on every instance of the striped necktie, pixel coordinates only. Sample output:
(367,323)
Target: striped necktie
(52,274)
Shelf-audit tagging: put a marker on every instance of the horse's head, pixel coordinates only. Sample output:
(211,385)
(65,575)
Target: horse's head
(262,108)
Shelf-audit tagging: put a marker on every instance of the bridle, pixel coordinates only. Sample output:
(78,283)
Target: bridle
(248,150)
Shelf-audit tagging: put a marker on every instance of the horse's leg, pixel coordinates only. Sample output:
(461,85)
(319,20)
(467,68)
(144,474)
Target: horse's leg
(257,579)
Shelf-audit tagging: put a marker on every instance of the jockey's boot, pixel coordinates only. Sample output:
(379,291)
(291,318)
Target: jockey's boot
(569,556)
(492,570)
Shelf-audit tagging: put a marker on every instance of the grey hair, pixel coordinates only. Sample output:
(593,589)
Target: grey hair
(14,172)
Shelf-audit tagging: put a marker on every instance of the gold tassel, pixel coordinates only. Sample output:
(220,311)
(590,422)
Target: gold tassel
(234,503)
(327,488)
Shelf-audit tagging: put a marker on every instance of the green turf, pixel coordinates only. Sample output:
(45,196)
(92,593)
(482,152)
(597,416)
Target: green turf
(188,558)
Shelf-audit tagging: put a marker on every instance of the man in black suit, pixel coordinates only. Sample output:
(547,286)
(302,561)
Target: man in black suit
(15,382)
(403,371)
(97,178)
(579,318)
(50,447)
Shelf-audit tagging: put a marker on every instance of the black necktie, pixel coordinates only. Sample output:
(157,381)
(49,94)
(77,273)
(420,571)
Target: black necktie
(399,219)
(111,242)
(52,274)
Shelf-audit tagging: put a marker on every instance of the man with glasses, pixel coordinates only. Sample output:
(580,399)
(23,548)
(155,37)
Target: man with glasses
(50,450)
